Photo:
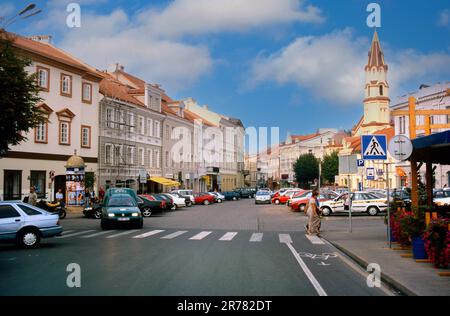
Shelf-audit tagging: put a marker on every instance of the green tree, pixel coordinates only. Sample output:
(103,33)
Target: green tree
(330,167)
(19,94)
(306,169)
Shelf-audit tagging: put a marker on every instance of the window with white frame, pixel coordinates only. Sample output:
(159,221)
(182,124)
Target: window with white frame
(149,127)
(41,132)
(157,129)
(66,85)
(108,154)
(118,154)
(85,136)
(150,158)
(141,157)
(43,77)
(157,158)
(64,130)
(141,125)
(130,155)
(167,159)
(130,122)
(86,92)
(121,119)
(109,117)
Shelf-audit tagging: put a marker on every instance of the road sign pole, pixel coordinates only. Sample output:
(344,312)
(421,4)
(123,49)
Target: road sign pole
(388,207)
(350,206)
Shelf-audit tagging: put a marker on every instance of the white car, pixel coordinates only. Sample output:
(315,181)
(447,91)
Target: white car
(442,197)
(364,202)
(263,196)
(219,197)
(178,200)
(187,193)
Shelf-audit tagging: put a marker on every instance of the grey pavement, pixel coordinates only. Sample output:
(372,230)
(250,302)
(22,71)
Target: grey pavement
(368,244)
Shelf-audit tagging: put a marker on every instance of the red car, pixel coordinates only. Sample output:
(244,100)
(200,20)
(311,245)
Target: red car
(284,197)
(204,198)
(299,203)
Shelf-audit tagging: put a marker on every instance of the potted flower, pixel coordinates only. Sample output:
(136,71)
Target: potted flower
(437,243)
(397,230)
(412,228)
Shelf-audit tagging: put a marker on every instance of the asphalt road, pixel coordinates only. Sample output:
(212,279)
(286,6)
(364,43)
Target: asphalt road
(234,248)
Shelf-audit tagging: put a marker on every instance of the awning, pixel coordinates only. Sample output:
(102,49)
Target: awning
(164,181)
(434,148)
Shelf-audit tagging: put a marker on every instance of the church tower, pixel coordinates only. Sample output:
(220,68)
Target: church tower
(376,102)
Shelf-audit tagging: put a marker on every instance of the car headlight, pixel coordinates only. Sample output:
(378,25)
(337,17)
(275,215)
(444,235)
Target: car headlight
(111,214)
(135,214)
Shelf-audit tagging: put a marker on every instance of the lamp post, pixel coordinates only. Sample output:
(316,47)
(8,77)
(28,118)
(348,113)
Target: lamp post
(30,9)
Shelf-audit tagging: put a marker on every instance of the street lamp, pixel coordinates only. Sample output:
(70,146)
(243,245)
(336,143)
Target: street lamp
(28,8)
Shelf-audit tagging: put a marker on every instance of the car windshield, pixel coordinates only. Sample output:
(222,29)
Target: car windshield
(116,201)
(260,193)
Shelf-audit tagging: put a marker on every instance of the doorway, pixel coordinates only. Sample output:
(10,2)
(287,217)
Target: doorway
(60,183)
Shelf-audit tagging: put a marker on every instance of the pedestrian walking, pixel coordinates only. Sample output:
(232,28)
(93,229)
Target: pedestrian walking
(32,197)
(313,214)
(101,194)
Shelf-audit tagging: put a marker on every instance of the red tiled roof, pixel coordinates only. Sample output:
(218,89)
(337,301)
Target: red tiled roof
(191,116)
(112,88)
(304,137)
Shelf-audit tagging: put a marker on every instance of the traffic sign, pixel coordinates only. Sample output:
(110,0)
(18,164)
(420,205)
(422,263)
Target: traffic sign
(400,147)
(370,173)
(374,147)
(360,162)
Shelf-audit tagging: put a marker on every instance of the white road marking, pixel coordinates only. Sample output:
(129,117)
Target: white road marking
(67,231)
(97,234)
(153,232)
(315,240)
(174,235)
(200,236)
(256,237)
(308,272)
(76,234)
(285,238)
(228,236)
(123,233)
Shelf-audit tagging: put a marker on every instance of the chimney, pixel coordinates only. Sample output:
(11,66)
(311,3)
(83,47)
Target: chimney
(46,39)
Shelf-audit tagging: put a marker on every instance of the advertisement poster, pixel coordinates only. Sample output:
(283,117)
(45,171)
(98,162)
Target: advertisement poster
(75,186)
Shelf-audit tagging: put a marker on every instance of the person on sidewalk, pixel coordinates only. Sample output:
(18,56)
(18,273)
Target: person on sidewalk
(313,214)
(32,197)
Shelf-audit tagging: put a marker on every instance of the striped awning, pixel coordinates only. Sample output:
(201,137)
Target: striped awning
(164,181)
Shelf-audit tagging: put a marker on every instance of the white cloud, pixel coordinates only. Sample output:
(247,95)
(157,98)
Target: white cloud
(331,67)
(444,18)
(183,17)
(104,40)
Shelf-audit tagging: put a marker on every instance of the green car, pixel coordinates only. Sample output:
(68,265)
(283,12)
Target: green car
(121,209)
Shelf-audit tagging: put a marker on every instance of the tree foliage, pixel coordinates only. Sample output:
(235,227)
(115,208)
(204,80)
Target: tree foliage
(330,167)
(306,169)
(19,94)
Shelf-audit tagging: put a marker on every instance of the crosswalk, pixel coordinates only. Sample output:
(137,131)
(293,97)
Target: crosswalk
(283,238)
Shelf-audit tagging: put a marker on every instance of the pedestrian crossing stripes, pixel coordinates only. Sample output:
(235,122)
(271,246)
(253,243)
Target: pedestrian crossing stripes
(148,234)
(283,238)
(200,236)
(228,236)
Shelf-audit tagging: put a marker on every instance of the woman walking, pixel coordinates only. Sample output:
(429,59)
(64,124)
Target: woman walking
(313,214)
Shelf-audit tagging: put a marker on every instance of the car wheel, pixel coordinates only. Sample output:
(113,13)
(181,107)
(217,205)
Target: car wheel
(206,202)
(234,198)
(189,204)
(29,238)
(62,214)
(219,201)
(326,211)
(98,214)
(147,212)
(277,202)
(301,207)
(373,211)
(174,207)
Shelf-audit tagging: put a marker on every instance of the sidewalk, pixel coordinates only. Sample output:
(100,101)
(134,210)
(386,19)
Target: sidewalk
(367,244)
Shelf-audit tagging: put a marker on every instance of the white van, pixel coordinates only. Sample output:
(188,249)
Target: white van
(187,193)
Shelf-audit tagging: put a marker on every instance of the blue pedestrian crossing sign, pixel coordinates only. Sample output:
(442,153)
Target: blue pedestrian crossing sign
(360,162)
(374,147)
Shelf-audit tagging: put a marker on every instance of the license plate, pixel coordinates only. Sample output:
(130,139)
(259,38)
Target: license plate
(123,219)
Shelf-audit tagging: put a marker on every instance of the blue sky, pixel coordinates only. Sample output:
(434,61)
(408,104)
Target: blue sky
(288,63)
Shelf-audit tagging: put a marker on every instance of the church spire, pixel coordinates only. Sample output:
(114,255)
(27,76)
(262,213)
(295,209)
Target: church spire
(376,56)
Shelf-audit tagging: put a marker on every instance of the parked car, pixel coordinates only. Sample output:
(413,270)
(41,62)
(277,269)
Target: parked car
(247,193)
(300,202)
(186,193)
(231,196)
(177,199)
(263,196)
(121,208)
(361,202)
(204,198)
(150,205)
(25,224)
(282,198)
(442,197)
(112,191)
(170,206)
(219,197)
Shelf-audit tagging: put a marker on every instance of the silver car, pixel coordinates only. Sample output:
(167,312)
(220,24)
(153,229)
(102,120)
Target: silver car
(25,224)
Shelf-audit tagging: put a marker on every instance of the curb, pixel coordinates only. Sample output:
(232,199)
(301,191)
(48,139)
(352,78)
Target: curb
(384,277)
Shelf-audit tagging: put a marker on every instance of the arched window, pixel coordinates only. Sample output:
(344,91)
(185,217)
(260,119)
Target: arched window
(381,90)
